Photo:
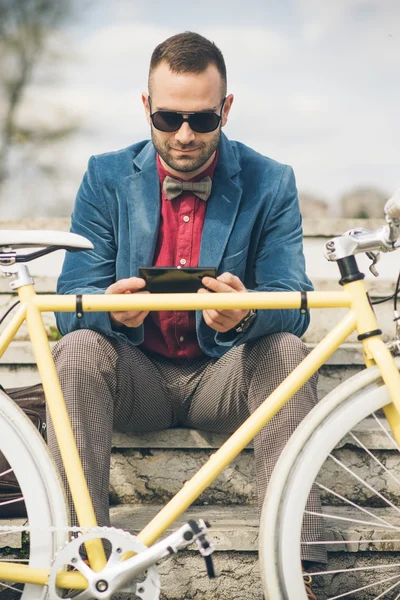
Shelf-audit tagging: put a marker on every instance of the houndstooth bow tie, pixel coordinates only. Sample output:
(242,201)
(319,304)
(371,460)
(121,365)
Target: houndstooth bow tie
(173,187)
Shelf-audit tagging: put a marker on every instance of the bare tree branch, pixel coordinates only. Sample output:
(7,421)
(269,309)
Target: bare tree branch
(25,26)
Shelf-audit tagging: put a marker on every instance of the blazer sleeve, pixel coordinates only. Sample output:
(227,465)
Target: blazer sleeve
(279,266)
(92,271)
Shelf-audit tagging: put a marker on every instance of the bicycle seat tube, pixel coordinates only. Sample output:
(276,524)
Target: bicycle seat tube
(23,283)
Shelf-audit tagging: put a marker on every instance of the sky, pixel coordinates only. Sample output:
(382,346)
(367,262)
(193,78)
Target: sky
(316,86)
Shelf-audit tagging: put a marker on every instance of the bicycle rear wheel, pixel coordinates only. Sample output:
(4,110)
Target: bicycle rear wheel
(324,451)
(42,492)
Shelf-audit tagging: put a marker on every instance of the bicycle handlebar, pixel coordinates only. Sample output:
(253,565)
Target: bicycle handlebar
(355,241)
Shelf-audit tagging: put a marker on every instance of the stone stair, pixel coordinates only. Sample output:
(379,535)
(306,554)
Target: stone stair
(149,469)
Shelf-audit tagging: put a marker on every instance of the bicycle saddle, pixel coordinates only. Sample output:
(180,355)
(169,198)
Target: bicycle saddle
(56,240)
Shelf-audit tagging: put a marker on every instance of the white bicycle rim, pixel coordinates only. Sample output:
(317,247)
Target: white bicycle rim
(295,473)
(41,487)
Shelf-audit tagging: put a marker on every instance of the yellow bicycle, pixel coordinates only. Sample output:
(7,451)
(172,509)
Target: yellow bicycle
(55,563)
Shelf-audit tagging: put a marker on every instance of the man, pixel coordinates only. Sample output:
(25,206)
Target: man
(140,371)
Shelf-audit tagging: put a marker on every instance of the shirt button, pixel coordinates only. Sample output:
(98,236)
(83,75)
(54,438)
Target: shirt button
(181,339)
(186,219)
(183,261)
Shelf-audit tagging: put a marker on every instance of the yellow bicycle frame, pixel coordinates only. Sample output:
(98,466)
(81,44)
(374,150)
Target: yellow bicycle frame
(360,317)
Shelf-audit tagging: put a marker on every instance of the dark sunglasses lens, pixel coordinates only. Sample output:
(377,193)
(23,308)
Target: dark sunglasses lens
(204,122)
(167,121)
(172,121)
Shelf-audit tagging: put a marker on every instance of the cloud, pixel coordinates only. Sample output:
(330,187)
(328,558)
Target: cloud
(315,86)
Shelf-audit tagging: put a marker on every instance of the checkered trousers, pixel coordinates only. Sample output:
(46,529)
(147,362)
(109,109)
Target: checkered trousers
(111,385)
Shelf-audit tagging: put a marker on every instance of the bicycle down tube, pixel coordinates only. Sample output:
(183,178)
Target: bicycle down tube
(360,317)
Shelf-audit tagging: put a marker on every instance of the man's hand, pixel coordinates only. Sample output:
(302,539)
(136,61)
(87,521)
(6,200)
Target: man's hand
(131,318)
(223,320)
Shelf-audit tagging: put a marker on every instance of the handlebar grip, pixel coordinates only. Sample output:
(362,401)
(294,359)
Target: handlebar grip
(392,207)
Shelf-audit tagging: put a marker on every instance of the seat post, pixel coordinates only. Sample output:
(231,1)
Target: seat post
(19,271)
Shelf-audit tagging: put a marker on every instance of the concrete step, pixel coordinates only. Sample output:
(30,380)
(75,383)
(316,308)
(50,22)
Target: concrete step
(235,528)
(235,533)
(368,432)
(151,468)
(18,367)
(316,232)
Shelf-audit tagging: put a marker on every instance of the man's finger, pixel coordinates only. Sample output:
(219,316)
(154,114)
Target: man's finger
(226,282)
(216,286)
(232,280)
(131,284)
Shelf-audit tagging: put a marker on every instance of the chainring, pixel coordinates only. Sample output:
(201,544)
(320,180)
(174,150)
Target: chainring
(119,542)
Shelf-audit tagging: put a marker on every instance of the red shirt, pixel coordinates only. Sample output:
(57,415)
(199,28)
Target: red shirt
(173,333)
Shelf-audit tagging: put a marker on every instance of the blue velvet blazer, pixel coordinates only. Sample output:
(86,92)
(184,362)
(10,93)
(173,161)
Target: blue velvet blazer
(252,229)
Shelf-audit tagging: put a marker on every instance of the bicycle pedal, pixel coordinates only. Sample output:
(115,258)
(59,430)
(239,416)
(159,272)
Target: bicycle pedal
(205,546)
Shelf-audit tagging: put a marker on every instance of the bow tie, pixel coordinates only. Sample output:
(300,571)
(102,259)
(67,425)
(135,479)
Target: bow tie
(172,187)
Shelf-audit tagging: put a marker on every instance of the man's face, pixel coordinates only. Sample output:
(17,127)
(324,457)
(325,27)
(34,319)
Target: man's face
(185,150)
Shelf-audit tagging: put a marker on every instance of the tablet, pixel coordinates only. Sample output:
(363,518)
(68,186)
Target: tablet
(175,280)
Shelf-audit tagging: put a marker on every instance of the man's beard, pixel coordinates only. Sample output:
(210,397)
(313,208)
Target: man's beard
(186,163)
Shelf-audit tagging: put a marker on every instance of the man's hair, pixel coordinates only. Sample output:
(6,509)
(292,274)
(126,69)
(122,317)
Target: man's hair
(189,52)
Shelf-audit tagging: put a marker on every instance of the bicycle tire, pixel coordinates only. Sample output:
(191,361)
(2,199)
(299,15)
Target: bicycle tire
(41,487)
(296,471)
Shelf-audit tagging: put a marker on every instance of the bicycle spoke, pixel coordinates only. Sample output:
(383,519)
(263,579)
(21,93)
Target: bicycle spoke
(365,587)
(339,518)
(28,461)
(369,541)
(386,432)
(378,522)
(362,530)
(9,587)
(18,560)
(6,472)
(386,591)
(351,503)
(354,569)
(12,501)
(374,457)
(361,480)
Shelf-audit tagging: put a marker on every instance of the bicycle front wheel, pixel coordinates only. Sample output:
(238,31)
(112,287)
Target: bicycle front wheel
(43,494)
(360,494)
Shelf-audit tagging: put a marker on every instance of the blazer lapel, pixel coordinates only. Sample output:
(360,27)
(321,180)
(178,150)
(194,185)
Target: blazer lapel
(143,197)
(222,207)
(142,190)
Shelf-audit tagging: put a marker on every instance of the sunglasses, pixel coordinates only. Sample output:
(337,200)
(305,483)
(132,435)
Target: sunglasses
(172,120)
